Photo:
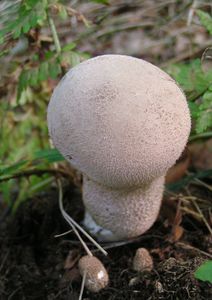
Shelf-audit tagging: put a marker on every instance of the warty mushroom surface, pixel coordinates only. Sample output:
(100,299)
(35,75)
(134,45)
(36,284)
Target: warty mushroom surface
(123,123)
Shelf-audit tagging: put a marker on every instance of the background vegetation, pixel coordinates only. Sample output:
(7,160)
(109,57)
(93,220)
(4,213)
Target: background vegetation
(41,40)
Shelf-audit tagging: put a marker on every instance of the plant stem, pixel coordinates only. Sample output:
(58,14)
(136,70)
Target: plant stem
(40,172)
(200,135)
(54,34)
(202,216)
(82,286)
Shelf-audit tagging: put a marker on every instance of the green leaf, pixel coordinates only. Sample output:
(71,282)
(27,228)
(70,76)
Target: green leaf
(63,12)
(191,78)
(26,27)
(16,33)
(34,19)
(4,52)
(34,77)
(49,54)
(204,121)
(50,155)
(29,14)
(39,156)
(23,82)
(43,71)
(205,19)
(1,39)
(13,168)
(54,69)
(204,272)
(204,118)
(105,2)
(69,47)
(75,58)
(194,109)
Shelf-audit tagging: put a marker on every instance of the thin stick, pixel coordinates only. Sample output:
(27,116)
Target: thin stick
(202,216)
(200,136)
(82,286)
(62,234)
(68,221)
(186,246)
(71,221)
(29,173)
(4,260)
(191,12)
(80,239)
(54,34)
(200,182)
(87,235)
(191,212)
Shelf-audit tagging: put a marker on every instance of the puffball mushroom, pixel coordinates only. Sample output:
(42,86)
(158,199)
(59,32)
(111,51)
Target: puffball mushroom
(96,276)
(123,123)
(142,260)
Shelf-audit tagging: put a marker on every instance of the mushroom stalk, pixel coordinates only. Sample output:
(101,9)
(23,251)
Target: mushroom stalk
(125,213)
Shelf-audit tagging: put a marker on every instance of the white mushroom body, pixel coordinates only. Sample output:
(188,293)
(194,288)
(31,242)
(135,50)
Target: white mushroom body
(123,123)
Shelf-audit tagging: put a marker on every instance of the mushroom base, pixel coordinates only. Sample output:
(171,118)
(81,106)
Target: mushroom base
(113,215)
(99,232)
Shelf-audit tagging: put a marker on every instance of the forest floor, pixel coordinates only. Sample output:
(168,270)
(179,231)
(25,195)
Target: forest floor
(37,265)
(34,264)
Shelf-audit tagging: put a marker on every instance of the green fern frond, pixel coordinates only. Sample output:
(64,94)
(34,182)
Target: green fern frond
(205,19)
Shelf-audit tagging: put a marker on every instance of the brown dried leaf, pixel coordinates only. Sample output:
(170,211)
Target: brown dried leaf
(177,233)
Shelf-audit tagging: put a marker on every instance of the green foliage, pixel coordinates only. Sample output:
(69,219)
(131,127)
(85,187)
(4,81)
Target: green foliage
(197,86)
(204,116)
(30,14)
(39,157)
(23,125)
(33,76)
(106,2)
(21,132)
(205,19)
(204,272)
(48,155)
(23,128)
(32,184)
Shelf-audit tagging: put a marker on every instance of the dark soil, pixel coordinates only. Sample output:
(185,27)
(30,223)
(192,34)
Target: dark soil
(36,265)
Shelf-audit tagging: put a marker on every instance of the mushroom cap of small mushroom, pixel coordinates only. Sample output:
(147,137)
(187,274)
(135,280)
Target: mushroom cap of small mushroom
(96,274)
(120,120)
(142,260)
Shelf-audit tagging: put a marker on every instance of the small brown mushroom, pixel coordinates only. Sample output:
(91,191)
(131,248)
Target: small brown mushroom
(142,260)
(96,276)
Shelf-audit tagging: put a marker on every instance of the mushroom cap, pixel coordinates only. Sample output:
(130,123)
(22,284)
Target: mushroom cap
(142,260)
(96,274)
(120,120)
